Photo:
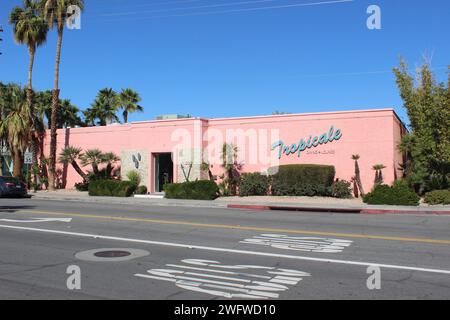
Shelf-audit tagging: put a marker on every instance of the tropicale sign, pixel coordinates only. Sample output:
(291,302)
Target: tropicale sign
(303,144)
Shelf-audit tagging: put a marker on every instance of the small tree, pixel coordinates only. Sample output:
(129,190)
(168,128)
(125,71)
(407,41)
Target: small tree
(355,188)
(135,177)
(427,146)
(205,166)
(378,174)
(70,155)
(94,158)
(232,168)
(356,157)
(110,159)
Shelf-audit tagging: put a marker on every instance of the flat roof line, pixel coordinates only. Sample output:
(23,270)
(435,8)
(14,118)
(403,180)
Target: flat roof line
(304,114)
(269,116)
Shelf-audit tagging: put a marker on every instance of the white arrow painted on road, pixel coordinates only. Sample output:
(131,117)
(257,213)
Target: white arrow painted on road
(38,220)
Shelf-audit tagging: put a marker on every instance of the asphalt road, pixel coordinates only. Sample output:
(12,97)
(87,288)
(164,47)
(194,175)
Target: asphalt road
(199,253)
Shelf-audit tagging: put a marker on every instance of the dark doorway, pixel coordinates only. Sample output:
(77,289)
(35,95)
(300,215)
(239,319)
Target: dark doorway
(163,170)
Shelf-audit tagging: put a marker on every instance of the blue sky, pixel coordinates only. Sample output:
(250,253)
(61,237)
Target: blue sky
(217,58)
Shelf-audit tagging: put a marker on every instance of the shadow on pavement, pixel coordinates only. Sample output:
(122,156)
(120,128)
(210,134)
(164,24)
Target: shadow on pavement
(14,208)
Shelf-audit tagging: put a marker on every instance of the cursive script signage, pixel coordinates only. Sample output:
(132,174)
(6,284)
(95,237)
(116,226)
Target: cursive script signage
(303,144)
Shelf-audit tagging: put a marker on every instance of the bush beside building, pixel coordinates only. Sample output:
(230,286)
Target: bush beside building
(196,190)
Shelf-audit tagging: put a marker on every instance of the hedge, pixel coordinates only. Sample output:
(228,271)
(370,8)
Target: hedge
(438,197)
(196,190)
(395,195)
(111,188)
(254,184)
(302,180)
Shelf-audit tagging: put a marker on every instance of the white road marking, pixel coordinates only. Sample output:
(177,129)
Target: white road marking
(245,252)
(307,244)
(34,220)
(230,287)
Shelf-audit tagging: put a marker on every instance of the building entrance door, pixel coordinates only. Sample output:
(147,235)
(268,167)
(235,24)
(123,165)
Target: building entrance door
(163,170)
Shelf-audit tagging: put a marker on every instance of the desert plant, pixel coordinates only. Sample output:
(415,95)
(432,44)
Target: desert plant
(134,177)
(356,157)
(92,157)
(341,189)
(378,168)
(110,159)
(70,155)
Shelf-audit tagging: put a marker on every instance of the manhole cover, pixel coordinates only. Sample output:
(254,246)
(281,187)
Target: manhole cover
(112,254)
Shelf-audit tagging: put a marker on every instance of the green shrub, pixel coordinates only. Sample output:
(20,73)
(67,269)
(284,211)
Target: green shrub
(438,197)
(134,177)
(302,180)
(141,190)
(341,189)
(111,188)
(254,184)
(82,186)
(196,190)
(398,194)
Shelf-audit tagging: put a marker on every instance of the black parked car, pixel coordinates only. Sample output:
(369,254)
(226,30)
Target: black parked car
(12,187)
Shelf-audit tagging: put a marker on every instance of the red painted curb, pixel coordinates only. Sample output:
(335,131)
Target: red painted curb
(335,210)
(375,211)
(248,206)
(288,208)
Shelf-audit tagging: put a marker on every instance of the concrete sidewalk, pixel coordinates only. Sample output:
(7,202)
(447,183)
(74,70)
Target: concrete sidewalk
(310,204)
(320,204)
(76,196)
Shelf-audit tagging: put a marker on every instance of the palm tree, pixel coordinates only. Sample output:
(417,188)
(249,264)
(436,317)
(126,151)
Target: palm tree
(55,12)
(16,127)
(356,157)
(109,158)
(68,115)
(92,157)
(43,104)
(70,155)
(4,106)
(103,108)
(378,173)
(129,100)
(30,28)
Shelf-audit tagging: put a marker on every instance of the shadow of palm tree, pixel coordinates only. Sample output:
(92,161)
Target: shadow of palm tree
(14,208)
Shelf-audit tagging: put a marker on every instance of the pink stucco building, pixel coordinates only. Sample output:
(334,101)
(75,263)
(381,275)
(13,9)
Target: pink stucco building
(170,150)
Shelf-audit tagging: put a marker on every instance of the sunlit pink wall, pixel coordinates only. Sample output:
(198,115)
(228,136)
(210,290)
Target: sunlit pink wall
(372,134)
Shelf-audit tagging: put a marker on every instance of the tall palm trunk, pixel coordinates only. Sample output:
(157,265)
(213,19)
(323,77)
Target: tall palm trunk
(34,143)
(358,178)
(78,169)
(1,163)
(18,163)
(55,102)
(125,117)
